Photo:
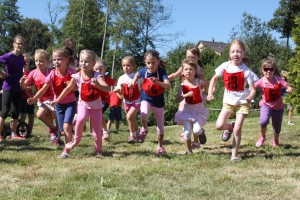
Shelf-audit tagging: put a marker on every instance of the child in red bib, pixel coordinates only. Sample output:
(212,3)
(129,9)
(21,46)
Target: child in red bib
(192,115)
(271,104)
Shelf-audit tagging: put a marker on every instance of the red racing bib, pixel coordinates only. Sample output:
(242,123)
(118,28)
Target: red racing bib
(233,81)
(61,83)
(196,98)
(151,88)
(131,94)
(89,92)
(273,94)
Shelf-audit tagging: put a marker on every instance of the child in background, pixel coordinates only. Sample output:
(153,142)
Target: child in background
(101,68)
(12,92)
(37,77)
(289,107)
(27,109)
(155,81)
(59,78)
(194,54)
(115,112)
(236,97)
(271,104)
(192,115)
(89,84)
(132,101)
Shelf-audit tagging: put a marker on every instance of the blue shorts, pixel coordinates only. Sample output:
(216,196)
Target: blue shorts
(65,113)
(115,113)
(26,108)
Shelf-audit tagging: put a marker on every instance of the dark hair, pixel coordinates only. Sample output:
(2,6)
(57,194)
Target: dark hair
(155,54)
(195,51)
(247,62)
(192,63)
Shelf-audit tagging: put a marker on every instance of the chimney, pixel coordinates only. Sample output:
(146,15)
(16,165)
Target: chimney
(213,39)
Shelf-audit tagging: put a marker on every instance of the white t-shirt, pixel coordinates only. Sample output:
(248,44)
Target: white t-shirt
(127,79)
(236,97)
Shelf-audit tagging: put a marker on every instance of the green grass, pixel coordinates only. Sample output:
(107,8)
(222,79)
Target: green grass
(31,169)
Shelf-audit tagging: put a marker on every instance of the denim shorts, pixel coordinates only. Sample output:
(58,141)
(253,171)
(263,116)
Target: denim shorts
(65,113)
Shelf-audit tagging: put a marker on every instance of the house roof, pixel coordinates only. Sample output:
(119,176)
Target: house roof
(218,47)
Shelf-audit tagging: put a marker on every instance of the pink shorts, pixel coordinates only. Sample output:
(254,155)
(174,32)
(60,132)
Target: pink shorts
(128,106)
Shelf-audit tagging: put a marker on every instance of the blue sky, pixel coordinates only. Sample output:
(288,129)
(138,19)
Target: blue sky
(195,19)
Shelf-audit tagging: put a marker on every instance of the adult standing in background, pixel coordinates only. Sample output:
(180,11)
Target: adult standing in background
(12,92)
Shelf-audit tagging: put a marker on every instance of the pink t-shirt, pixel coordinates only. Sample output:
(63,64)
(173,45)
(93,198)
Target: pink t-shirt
(271,92)
(38,78)
(59,82)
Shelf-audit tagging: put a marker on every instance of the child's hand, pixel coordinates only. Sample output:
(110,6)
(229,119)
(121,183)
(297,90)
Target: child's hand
(210,97)
(22,80)
(248,100)
(30,101)
(130,85)
(53,103)
(189,94)
(153,79)
(289,90)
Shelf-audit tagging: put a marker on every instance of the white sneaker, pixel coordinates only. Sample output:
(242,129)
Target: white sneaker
(291,123)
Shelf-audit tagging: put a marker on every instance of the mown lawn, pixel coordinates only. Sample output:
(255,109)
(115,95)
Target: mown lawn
(31,169)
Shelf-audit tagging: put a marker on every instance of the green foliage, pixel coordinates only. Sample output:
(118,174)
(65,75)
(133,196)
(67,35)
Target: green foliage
(10,20)
(84,23)
(283,21)
(294,70)
(36,35)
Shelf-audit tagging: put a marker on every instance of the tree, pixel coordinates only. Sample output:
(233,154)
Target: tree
(10,19)
(36,35)
(283,21)
(84,23)
(258,39)
(294,69)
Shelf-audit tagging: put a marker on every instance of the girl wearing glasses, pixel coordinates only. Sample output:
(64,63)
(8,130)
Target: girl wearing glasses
(271,104)
(236,97)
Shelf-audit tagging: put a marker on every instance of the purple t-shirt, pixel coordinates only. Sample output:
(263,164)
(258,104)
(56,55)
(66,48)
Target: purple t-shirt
(14,69)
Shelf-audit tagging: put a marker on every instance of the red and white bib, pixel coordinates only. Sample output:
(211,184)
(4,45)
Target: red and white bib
(234,81)
(150,88)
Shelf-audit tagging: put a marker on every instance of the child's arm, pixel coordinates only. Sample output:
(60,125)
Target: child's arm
(101,84)
(24,82)
(166,84)
(252,93)
(40,93)
(180,96)
(135,78)
(65,92)
(211,88)
(289,89)
(175,74)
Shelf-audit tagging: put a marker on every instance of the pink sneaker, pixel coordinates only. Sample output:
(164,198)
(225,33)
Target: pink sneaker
(260,142)
(160,151)
(131,140)
(105,136)
(275,143)
(142,135)
(226,135)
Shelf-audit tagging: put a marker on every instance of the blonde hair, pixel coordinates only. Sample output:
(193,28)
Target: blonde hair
(91,54)
(270,61)
(131,60)
(240,43)
(42,53)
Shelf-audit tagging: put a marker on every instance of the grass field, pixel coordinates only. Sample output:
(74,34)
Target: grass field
(31,169)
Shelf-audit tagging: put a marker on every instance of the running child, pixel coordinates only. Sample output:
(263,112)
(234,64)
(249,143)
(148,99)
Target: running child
(132,101)
(100,67)
(37,77)
(89,84)
(58,79)
(236,97)
(115,110)
(192,114)
(271,104)
(27,92)
(155,82)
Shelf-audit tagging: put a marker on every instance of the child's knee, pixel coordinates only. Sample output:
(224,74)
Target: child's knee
(263,122)
(219,126)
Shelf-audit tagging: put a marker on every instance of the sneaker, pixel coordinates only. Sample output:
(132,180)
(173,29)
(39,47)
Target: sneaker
(290,123)
(98,155)
(70,145)
(160,151)
(142,135)
(56,140)
(260,142)
(188,152)
(16,137)
(131,140)
(105,136)
(195,145)
(64,155)
(275,143)
(226,135)
(202,137)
